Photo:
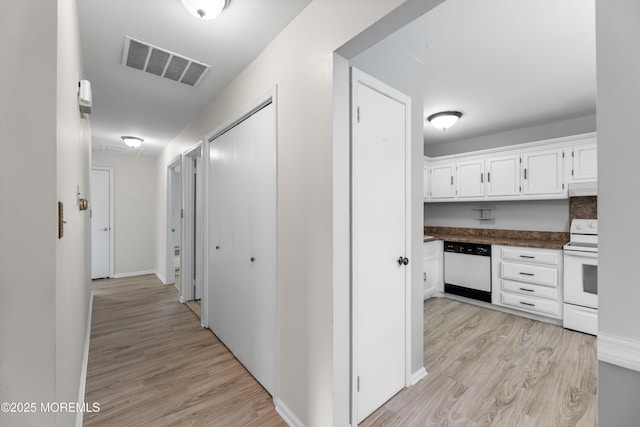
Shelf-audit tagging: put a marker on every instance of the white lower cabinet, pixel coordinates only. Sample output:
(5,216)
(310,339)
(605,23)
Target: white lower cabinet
(433,255)
(528,279)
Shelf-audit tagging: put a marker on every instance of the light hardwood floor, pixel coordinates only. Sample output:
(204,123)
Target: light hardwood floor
(488,368)
(151,364)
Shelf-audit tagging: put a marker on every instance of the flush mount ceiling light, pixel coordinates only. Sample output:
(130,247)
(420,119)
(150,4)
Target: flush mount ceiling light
(132,141)
(445,119)
(205,9)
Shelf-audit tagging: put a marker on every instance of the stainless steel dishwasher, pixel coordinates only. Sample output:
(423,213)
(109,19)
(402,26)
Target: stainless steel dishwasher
(467,270)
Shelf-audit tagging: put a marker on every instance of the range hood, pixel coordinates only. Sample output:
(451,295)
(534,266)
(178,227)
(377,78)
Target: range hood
(583,189)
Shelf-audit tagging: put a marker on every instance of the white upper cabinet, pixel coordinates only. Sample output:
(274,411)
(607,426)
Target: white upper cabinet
(535,171)
(425,179)
(584,163)
(470,179)
(543,173)
(441,181)
(503,176)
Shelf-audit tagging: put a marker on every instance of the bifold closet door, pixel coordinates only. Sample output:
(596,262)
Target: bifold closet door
(242,247)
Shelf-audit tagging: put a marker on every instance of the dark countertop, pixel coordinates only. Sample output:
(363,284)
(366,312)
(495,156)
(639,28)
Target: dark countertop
(528,239)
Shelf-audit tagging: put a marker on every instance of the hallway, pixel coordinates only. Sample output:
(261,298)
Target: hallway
(150,363)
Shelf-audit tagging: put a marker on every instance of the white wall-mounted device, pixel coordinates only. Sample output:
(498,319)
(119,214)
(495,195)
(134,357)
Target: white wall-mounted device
(84,96)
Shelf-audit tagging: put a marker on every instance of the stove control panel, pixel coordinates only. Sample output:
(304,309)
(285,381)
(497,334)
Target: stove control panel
(584,226)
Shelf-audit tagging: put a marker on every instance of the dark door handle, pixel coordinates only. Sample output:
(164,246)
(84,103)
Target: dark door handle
(400,261)
(405,261)
(253,259)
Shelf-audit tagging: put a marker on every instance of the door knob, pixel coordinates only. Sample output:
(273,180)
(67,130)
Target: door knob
(105,228)
(253,259)
(405,261)
(400,261)
(217,247)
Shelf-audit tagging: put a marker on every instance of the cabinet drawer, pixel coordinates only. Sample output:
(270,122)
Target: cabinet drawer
(531,304)
(529,273)
(528,289)
(524,255)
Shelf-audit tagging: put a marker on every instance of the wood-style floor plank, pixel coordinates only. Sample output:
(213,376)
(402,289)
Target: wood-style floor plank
(151,364)
(488,368)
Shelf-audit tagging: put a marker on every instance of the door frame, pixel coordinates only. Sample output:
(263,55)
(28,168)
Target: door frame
(358,76)
(269,97)
(170,274)
(111,217)
(189,220)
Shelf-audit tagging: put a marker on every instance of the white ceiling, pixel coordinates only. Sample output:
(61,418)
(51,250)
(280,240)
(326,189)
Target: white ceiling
(505,64)
(131,102)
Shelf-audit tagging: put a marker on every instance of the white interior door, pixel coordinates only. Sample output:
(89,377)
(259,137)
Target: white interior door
(242,248)
(379,243)
(198,229)
(100,223)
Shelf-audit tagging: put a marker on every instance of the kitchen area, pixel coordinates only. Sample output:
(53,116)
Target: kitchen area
(537,270)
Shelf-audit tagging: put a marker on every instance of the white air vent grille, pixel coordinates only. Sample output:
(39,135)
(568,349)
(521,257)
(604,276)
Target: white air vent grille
(161,62)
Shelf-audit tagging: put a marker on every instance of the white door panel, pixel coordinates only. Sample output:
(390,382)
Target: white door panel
(100,223)
(379,221)
(242,219)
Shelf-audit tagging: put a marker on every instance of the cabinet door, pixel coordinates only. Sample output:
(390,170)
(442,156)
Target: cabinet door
(470,179)
(441,182)
(432,264)
(542,173)
(425,181)
(503,176)
(585,163)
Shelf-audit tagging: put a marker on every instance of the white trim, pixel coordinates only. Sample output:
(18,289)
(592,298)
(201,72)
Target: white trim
(85,362)
(170,249)
(161,277)
(134,273)
(287,414)
(619,351)
(359,76)
(418,375)
(111,217)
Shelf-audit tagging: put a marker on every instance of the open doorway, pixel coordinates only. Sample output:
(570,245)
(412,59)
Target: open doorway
(174,223)
(192,257)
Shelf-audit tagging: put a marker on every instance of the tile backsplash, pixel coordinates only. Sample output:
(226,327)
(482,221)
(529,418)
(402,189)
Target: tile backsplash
(585,207)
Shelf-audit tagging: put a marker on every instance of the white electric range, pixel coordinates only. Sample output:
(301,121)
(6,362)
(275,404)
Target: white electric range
(581,277)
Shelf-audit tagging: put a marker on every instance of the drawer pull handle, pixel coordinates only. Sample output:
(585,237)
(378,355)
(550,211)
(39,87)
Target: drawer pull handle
(528,290)
(527,256)
(527,274)
(527,303)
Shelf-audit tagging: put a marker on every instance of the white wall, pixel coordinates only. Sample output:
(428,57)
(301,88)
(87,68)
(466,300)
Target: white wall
(618,68)
(534,215)
(567,127)
(135,190)
(44,158)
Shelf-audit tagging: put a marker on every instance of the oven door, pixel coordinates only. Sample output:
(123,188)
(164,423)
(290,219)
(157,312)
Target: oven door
(581,278)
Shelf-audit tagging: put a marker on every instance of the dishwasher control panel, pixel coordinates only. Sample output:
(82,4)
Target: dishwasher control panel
(468,248)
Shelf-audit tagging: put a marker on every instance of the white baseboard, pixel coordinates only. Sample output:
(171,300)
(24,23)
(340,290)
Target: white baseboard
(85,363)
(287,415)
(161,277)
(619,351)
(133,273)
(418,375)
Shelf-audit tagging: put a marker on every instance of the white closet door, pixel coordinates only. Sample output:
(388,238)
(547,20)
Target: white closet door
(242,224)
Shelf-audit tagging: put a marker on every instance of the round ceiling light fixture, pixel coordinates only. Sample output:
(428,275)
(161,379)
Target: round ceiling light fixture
(205,9)
(132,141)
(444,119)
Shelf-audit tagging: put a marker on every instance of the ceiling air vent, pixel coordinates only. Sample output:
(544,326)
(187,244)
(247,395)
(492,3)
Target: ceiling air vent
(161,62)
